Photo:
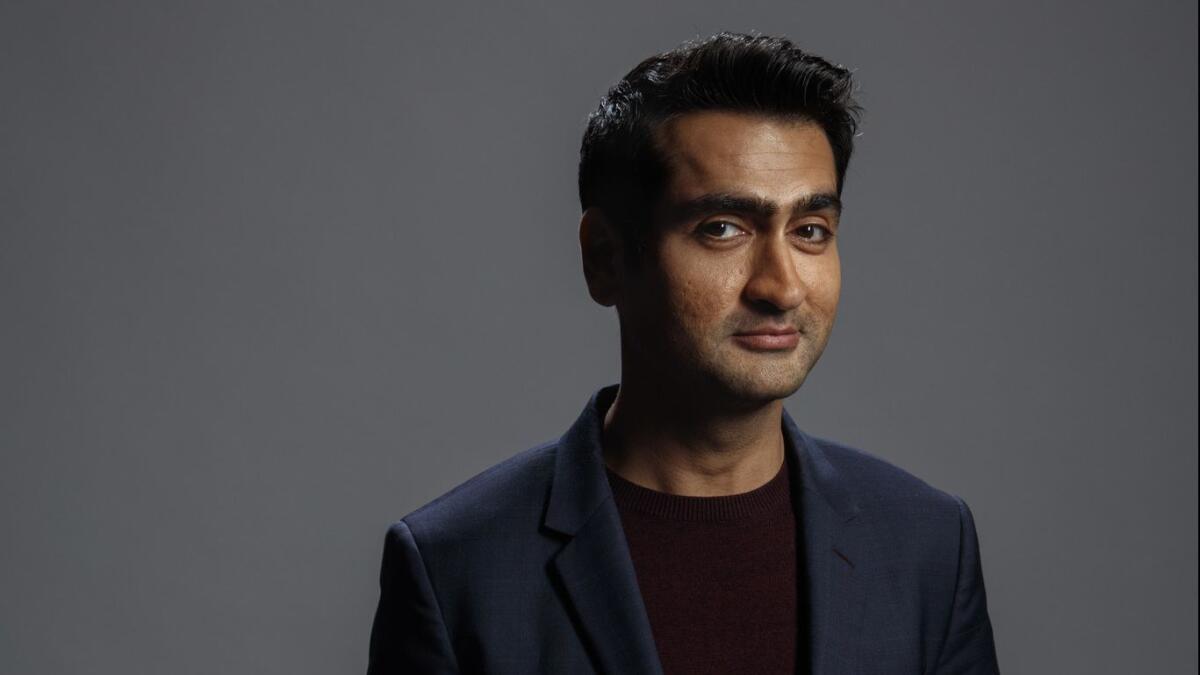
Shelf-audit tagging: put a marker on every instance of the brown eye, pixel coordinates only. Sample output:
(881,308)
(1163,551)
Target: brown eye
(720,229)
(814,233)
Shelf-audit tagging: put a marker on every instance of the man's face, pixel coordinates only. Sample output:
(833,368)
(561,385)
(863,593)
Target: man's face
(742,245)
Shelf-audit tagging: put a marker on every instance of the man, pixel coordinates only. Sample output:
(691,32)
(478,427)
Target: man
(684,523)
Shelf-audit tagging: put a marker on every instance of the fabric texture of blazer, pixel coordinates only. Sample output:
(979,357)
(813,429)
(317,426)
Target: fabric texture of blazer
(525,569)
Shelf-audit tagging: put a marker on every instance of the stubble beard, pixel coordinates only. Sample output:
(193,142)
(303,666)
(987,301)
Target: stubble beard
(757,378)
(721,373)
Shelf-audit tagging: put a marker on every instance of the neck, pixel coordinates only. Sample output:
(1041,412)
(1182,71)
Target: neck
(679,444)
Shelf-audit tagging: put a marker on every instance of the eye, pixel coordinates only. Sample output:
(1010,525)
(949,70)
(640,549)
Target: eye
(720,229)
(814,233)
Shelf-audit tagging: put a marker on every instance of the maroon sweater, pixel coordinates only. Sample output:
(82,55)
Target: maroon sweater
(717,574)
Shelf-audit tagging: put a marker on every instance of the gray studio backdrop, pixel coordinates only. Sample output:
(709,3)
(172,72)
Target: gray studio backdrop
(274,274)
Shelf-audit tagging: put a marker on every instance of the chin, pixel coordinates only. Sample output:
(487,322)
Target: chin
(761,387)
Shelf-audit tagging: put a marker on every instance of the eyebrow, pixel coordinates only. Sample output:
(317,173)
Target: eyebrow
(751,205)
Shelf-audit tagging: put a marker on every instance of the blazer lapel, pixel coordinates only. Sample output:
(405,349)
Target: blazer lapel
(597,575)
(594,568)
(595,571)
(833,592)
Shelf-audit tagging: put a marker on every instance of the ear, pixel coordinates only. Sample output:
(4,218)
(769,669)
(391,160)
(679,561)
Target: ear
(603,256)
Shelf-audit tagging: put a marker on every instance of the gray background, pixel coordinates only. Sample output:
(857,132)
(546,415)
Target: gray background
(272,275)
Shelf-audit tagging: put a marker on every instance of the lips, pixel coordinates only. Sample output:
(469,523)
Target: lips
(781,330)
(769,338)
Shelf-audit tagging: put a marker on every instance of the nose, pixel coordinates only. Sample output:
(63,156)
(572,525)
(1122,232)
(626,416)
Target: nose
(774,276)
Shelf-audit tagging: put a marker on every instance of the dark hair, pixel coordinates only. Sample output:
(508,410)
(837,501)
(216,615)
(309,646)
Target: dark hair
(620,169)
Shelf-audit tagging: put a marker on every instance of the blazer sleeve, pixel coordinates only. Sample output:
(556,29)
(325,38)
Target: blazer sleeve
(409,634)
(968,648)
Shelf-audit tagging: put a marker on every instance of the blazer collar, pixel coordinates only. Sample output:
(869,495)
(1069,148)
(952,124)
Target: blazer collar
(581,485)
(595,571)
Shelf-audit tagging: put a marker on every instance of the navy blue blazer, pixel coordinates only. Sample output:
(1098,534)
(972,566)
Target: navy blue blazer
(525,569)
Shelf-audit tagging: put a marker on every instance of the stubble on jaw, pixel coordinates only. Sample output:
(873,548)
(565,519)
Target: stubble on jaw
(762,377)
(721,372)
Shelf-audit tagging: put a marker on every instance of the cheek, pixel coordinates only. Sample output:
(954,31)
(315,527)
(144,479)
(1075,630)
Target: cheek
(825,284)
(702,292)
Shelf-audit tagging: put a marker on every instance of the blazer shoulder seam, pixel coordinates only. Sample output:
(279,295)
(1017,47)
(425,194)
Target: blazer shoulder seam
(528,455)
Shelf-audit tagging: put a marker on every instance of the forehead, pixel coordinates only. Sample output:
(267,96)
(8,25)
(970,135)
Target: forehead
(729,151)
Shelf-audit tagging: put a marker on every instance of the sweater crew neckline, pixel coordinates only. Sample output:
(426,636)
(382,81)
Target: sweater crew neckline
(772,498)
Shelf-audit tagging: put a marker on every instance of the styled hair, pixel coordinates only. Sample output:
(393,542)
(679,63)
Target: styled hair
(621,170)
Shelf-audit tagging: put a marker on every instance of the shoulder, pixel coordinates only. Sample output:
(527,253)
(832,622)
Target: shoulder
(510,493)
(909,524)
(887,493)
(484,534)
